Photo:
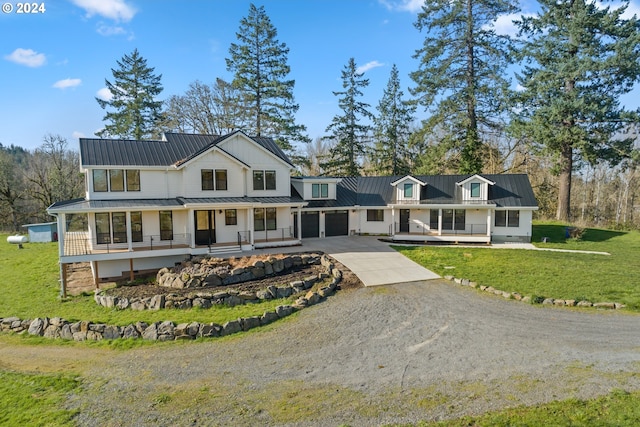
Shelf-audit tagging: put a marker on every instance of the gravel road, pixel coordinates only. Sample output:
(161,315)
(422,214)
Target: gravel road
(365,357)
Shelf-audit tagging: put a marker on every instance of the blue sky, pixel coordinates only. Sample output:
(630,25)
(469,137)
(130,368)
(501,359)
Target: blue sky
(53,64)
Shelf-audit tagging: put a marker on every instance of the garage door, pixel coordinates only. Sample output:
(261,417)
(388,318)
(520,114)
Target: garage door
(310,224)
(336,223)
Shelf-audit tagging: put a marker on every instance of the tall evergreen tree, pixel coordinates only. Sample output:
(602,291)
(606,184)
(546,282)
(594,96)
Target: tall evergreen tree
(133,99)
(580,58)
(259,64)
(347,131)
(460,80)
(392,128)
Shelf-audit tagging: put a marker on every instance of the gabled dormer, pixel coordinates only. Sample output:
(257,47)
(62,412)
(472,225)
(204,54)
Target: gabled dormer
(408,189)
(316,187)
(475,188)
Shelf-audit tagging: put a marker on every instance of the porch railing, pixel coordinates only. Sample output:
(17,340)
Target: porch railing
(417,228)
(276,235)
(78,243)
(244,237)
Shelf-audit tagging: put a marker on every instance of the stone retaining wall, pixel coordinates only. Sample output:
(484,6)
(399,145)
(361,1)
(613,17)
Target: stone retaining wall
(536,299)
(57,328)
(199,274)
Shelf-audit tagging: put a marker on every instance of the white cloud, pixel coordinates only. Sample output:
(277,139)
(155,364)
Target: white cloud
(77,134)
(412,6)
(110,30)
(632,9)
(67,83)
(104,94)
(27,57)
(117,10)
(504,23)
(368,66)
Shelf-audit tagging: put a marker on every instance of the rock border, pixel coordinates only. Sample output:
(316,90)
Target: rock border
(58,328)
(535,299)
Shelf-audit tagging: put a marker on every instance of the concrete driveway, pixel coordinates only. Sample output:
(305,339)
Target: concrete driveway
(373,261)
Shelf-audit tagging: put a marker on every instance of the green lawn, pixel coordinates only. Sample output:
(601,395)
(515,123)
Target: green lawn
(30,399)
(619,408)
(597,278)
(30,288)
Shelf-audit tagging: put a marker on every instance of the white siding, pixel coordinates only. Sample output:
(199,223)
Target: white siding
(415,196)
(374,227)
(520,233)
(192,177)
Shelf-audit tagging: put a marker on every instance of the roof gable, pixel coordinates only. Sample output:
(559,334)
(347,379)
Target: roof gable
(410,178)
(478,177)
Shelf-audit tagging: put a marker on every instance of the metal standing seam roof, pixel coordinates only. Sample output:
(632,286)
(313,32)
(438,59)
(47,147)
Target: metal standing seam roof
(176,148)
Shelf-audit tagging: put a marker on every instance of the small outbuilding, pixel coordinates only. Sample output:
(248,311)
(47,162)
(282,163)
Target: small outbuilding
(42,233)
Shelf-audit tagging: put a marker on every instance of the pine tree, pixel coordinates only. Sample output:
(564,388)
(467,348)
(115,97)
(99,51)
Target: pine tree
(259,64)
(392,128)
(580,58)
(348,133)
(460,80)
(134,91)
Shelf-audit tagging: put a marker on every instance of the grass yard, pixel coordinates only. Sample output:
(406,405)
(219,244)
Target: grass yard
(30,288)
(35,399)
(597,278)
(619,408)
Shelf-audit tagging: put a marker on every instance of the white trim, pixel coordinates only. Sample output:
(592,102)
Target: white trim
(476,176)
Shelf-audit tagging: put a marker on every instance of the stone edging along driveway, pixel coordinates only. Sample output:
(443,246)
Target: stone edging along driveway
(535,300)
(57,328)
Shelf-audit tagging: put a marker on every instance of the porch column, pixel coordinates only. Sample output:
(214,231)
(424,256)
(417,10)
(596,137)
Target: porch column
(488,222)
(393,221)
(252,232)
(439,222)
(299,213)
(129,236)
(191,226)
(62,222)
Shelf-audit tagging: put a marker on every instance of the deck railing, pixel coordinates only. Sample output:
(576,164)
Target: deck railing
(416,228)
(78,243)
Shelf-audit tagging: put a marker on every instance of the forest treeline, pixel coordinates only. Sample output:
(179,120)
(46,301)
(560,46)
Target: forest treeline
(562,124)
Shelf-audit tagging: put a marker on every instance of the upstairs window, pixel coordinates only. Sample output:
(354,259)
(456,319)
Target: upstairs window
(100,183)
(475,189)
(270,180)
(319,191)
(206,176)
(133,180)
(209,177)
(221,179)
(258,180)
(264,180)
(116,179)
(408,191)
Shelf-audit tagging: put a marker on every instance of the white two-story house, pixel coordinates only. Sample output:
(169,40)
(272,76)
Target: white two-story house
(150,204)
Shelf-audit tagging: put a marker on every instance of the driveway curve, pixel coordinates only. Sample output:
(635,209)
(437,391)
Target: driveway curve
(387,354)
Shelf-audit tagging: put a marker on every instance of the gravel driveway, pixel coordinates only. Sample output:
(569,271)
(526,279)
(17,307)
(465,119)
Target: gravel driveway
(389,354)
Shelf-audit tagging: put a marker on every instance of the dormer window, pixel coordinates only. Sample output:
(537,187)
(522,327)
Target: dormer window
(319,191)
(408,191)
(475,189)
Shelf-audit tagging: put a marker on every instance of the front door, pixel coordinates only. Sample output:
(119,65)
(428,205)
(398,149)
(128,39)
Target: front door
(205,227)
(404,220)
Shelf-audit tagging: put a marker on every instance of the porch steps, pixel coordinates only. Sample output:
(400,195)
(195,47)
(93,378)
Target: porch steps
(222,250)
